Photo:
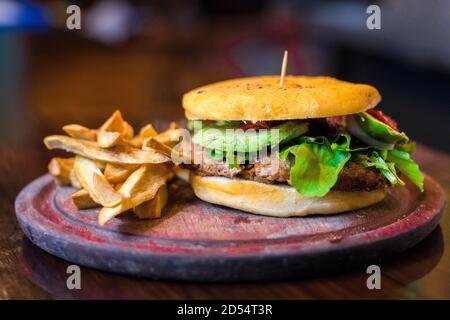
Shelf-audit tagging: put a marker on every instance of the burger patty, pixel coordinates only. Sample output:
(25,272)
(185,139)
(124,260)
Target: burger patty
(270,169)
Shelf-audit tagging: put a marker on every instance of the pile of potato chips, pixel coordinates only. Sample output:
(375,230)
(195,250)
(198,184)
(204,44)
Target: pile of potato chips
(114,168)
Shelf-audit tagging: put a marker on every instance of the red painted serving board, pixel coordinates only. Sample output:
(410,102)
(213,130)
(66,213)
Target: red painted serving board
(199,241)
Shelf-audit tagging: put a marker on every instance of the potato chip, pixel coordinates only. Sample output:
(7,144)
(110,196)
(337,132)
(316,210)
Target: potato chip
(176,156)
(115,123)
(118,154)
(118,186)
(74,180)
(82,200)
(170,136)
(104,191)
(128,131)
(60,169)
(80,132)
(173,125)
(92,179)
(116,173)
(107,139)
(142,185)
(152,209)
(100,164)
(152,143)
(115,169)
(145,132)
(136,142)
(148,131)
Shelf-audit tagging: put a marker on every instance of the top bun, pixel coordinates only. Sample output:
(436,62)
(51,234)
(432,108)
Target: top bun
(262,98)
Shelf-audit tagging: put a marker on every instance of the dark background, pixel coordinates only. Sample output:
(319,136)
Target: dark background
(141,56)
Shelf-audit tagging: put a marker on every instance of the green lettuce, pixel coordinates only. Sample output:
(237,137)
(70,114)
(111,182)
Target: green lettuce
(316,164)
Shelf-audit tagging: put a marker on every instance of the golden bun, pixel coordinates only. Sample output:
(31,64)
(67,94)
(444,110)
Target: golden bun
(261,98)
(277,200)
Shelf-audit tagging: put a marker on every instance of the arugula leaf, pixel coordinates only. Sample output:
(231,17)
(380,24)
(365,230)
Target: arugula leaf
(232,140)
(388,162)
(407,166)
(378,130)
(316,164)
(377,159)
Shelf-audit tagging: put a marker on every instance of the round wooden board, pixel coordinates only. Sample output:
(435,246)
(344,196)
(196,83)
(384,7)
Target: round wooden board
(198,241)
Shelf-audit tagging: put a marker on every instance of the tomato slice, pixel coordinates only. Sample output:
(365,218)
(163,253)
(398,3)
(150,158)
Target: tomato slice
(379,115)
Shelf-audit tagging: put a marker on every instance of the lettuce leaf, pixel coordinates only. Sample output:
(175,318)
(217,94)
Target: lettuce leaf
(407,166)
(222,139)
(316,164)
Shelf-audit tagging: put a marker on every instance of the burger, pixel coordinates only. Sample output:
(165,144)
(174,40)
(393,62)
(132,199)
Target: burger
(314,145)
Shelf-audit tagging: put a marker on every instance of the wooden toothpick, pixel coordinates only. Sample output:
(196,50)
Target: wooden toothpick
(283,68)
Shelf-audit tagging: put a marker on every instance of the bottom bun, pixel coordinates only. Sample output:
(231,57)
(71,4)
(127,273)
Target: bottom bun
(277,200)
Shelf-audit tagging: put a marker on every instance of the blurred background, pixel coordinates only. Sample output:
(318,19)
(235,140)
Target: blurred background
(141,56)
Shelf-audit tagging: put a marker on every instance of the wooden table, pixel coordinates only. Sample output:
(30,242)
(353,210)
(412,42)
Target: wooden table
(72,80)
